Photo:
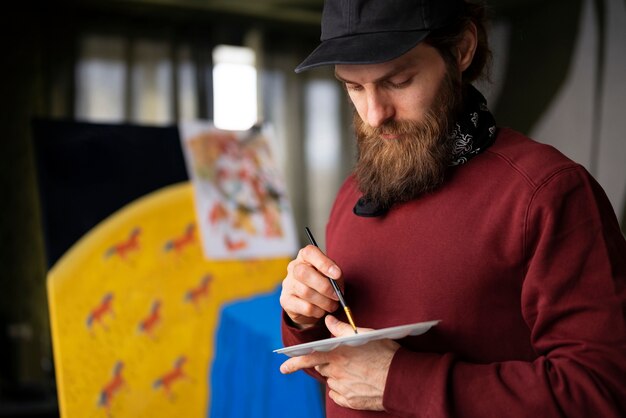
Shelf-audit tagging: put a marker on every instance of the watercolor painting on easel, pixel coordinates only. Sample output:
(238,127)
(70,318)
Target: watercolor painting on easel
(240,197)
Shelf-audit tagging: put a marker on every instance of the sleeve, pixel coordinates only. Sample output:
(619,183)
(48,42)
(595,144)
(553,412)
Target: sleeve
(574,302)
(292,336)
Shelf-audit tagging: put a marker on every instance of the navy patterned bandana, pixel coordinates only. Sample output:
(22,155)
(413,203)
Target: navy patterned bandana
(474,131)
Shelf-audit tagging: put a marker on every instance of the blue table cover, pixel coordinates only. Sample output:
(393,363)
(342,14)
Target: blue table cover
(245,377)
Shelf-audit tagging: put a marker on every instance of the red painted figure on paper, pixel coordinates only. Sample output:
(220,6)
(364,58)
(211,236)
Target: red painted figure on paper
(218,213)
(234,245)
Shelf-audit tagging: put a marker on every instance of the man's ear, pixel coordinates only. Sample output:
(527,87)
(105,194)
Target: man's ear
(466,47)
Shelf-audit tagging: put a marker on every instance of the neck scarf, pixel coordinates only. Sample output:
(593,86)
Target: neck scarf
(474,131)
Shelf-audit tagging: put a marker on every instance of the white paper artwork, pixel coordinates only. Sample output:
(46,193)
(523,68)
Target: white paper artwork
(240,198)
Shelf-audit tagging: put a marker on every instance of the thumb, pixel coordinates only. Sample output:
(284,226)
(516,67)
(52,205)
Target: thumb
(337,327)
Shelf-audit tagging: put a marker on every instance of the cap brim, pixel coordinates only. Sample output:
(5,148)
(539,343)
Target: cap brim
(369,48)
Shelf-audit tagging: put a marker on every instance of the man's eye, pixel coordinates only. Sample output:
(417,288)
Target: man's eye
(353,87)
(398,85)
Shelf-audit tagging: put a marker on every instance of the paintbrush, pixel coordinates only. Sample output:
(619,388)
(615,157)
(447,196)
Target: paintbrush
(334,283)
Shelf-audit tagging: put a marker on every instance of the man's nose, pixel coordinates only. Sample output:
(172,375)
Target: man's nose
(379,109)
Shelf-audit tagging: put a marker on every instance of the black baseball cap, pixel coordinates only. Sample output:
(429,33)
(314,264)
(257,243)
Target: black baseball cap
(374,31)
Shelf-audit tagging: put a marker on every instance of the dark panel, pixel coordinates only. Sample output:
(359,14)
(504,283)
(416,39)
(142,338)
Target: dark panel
(88,171)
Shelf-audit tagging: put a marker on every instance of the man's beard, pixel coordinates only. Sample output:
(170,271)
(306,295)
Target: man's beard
(396,170)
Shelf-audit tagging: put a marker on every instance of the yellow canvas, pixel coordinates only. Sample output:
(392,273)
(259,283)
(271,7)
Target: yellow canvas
(134,306)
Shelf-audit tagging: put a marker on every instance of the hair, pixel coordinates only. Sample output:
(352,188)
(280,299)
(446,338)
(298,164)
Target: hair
(446,39)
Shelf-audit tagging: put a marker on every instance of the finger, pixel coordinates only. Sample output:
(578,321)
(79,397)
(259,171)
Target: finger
(339,328)
(301,311)
(321,369)
(302,272)
(317,291)
(315,257)
(298,299)
(303,362)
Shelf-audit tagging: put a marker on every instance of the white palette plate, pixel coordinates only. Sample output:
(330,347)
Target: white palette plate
(393,333)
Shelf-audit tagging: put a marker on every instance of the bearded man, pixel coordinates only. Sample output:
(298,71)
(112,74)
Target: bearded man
(514,247)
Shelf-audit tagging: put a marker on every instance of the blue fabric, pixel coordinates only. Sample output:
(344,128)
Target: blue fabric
(245,377)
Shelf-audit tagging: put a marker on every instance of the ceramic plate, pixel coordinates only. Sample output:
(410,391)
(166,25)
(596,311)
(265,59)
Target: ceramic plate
(393,333)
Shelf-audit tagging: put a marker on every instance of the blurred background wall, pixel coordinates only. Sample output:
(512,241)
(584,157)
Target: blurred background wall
(559,75)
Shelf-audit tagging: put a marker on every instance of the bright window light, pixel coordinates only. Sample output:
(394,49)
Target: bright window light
(234,88)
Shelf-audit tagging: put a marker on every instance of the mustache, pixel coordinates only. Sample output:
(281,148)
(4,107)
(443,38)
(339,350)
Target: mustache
(391,127)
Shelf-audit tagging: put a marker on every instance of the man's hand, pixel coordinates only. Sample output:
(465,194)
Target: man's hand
(307,294)
(355,376)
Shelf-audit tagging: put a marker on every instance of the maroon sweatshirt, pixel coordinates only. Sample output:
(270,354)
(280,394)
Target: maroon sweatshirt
(520,255)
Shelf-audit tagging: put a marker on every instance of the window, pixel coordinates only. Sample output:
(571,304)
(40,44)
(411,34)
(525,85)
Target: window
(234,87)
(148,82)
